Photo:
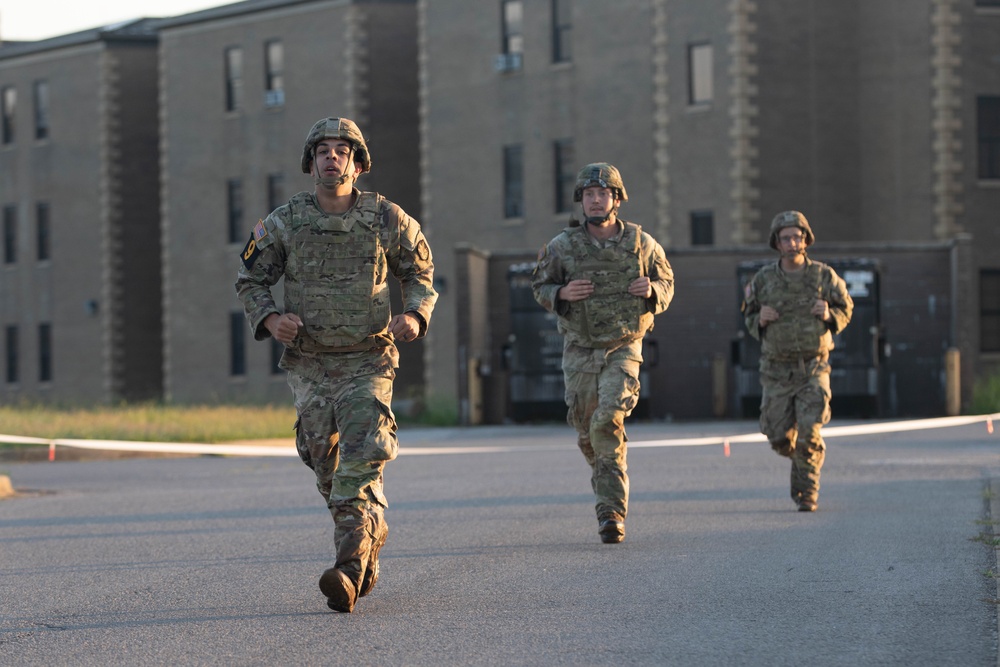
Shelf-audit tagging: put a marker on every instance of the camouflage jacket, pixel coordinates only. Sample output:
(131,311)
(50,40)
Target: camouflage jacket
(335,271)
(610,316)
(797,333)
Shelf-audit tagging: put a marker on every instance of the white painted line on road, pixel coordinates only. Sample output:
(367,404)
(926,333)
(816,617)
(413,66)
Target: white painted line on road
(252,450)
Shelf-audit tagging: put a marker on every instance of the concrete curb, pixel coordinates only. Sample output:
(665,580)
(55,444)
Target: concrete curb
(993,488)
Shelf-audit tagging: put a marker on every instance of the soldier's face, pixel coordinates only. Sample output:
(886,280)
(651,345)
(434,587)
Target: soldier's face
(597,201)
(332,157)
(791,241)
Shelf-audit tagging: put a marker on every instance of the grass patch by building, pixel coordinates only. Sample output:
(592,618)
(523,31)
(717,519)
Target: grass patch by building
(151,423)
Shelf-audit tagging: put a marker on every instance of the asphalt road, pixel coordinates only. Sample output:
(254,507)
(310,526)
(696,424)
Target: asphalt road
(493,557)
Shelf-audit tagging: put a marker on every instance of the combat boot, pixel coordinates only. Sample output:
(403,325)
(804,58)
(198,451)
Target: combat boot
(371,572)
(807,505)
(611,531)
(340,592)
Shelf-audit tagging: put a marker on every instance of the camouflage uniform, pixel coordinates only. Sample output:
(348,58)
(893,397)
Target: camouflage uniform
(794,362)
(342,364)
(602,348)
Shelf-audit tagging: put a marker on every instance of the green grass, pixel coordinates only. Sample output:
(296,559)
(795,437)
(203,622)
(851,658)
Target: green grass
(151,423)
(988,539)
(986,396)
(165,423)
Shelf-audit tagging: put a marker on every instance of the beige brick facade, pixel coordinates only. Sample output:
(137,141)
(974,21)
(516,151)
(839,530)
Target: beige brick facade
(80,295)
(719,114)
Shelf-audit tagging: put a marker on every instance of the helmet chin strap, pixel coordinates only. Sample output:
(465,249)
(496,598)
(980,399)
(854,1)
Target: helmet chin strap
(599,219)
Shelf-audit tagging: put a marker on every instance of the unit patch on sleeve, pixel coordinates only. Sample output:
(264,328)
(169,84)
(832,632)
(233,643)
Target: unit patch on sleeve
(250,252)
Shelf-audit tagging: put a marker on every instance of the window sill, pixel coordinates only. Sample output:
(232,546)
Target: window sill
(700,107)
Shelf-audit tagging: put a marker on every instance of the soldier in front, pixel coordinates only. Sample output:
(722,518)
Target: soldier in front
(335,248)
(794,307)
(605,279)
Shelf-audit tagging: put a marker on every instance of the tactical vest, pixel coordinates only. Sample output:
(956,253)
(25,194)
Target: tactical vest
(610,315)
(797,333)
(335,276)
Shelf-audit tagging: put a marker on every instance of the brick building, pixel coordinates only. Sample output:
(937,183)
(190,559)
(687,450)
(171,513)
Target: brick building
(241,86)
(880,120)
(80,271)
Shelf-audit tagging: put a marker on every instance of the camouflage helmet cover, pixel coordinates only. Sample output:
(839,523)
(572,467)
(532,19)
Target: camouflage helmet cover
(790,219)
(336,128)
(600,174)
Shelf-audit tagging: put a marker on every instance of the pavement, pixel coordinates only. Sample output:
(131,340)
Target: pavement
(493,556)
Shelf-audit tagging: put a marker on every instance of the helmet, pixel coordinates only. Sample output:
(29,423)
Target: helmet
(790,219)
(602,175)
(336,128)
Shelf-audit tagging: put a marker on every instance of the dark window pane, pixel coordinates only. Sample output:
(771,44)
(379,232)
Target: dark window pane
(42,231)
(702,228)
(11,353)
(44,353)
(237,344)
(234,204)
(562,31)
(9,234)
(989,310)
(513,182)
(8,102)
(565,163)
(988,133)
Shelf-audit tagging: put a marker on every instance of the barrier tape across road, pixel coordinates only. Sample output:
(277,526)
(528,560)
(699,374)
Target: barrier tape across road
(264,450)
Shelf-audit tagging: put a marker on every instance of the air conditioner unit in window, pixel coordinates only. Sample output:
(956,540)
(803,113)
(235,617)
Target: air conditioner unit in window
(274,98)
(507,62)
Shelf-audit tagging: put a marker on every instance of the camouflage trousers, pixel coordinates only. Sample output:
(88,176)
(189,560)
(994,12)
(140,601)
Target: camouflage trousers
(602,389)
(346,433)
(794,406)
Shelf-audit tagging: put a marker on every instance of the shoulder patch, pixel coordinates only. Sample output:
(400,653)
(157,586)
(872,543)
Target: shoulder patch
(250,252)
(542,252)
(422,251)
(259,231)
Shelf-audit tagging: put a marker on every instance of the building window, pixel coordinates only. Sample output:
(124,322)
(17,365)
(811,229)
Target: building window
(9,234)
(988,3)
(274,73)
(702,232)
(42,232)
(8,100)
(988,131)
(277,349)
(989,310)
(11,352)
(565,162)
(512,15)
(275,191)
(237,344)
(513,182)
(234,209)
(41,94)
(562,31)
(44,352)
(234,78)
(700,73)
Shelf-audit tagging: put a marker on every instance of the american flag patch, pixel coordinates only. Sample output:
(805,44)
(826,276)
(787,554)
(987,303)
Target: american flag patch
(258,231)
